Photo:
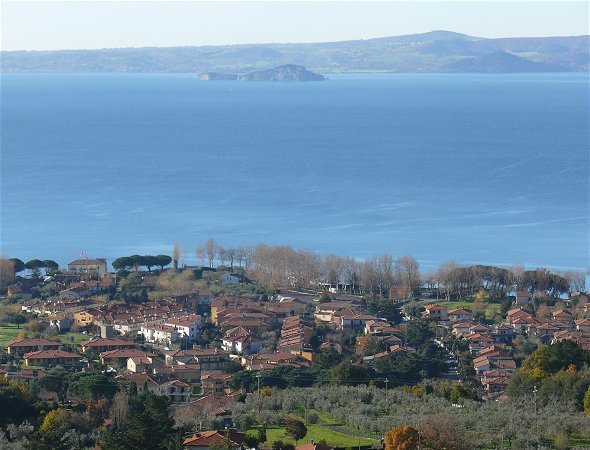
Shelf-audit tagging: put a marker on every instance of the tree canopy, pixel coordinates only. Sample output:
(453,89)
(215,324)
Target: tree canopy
(401,438)
(136,261)
(295,428)
(145,424)
(18,265)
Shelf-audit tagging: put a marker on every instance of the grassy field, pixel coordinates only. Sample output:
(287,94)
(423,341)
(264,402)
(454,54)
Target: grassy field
(317,433)
(578,442)
(323,431)
(73,338)
(8,333)
(327,418)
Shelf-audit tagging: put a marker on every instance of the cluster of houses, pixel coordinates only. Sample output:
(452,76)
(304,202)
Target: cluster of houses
(164,322)
(173,365)
(492,359)
(175,376)
(172,322)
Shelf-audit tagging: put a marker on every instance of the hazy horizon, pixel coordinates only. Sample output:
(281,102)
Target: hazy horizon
(86,25)
(279,43)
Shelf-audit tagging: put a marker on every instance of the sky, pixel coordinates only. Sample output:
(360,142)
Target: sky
(49,25)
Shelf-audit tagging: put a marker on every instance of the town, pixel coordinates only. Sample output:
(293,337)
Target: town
(270,347)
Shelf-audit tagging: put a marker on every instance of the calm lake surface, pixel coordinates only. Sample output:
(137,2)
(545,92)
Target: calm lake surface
(474,168)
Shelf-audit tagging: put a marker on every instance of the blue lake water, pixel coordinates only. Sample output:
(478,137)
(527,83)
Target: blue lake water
(473,168)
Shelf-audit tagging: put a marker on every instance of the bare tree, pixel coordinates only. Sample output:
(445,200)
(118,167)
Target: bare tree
(246,253)
(210,248)
(241,255)
(332,268)
(408,273)
(386,279)
(176,255)
(370,276)
(276,266)
(182,261)
(231,255)
(201,254)
(445,274)
(518,271)
(221,255)
(576,280)
(120,408)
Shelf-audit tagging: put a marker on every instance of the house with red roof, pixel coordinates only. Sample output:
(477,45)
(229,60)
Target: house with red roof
(96,266)
(314,446)
(215,383)
(230,439)
(563,316)
(353,320)
(98,345)
(176,391)
(22,346)
(460,315)
(120,357)
(47,358)
(142,382)
(159,334)
(210,359)
(583,325)
(436,312)
(139,364)
(241,341)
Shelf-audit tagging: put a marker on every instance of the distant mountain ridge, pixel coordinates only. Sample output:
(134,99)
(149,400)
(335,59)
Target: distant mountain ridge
(500,62)
(435,51)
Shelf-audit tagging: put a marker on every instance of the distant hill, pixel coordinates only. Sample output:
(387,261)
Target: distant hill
(500,62)
(436,51)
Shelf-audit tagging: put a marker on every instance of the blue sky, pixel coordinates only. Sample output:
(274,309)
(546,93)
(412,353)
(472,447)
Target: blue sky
(107,24)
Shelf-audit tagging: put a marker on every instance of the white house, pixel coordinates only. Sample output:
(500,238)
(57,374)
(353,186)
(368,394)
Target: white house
(460,315)
(127,326)
(187,327)
(240,341)
(159,334)
(437,312)
(138,364)
(96,266)
(176,391)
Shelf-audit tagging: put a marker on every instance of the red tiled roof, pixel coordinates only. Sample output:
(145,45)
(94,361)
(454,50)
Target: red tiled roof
(217,376)
(125,353)
(314,446)
(214,401)
(206,438)
(86,262)
(51,354)
(32,343)
(462,311)
(105,342)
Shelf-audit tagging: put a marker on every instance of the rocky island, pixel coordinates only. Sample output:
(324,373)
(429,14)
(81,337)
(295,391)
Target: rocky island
(288,72)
